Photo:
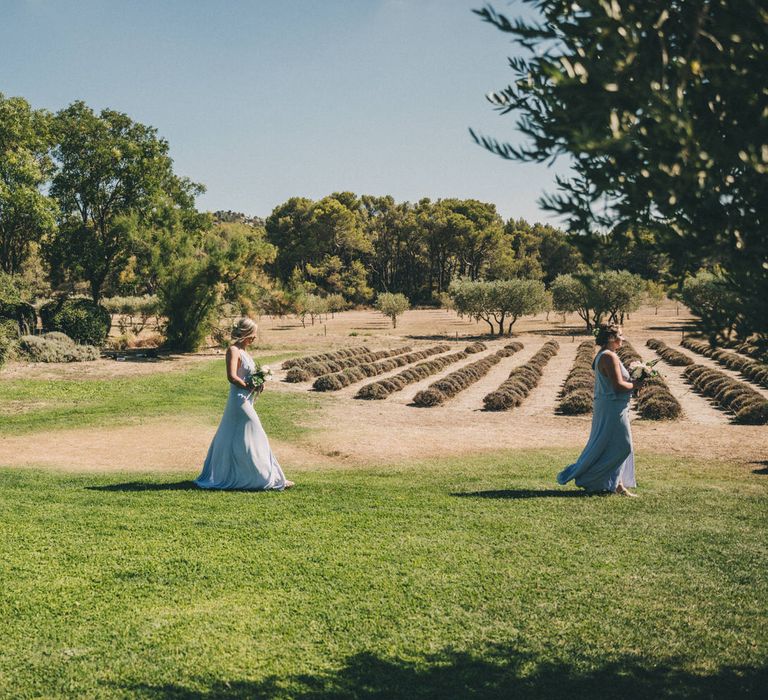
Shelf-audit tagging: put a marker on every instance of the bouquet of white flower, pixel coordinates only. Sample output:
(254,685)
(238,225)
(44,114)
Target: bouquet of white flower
(257,378)
(640,371)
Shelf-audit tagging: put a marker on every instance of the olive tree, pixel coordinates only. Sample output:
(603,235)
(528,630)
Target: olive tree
(500,302)
(392,305)
(660,108)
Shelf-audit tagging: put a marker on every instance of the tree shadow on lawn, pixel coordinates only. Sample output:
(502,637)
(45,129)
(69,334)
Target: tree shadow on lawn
(529,493)
(496,673)
(148,486)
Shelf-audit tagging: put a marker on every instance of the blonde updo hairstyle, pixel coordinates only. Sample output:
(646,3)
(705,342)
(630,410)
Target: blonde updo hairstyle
(606,332)
(244,328)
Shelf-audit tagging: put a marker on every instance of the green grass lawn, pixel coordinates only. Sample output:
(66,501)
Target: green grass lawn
(471,578)
(201,390)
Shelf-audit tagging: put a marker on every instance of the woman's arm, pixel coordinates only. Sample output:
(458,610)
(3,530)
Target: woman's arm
(610,367)
(233,360)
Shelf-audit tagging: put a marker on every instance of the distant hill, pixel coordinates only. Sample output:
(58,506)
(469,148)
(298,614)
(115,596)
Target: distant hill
(236,217)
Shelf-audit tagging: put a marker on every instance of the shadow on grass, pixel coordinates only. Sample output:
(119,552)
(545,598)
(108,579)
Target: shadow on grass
(148,486)
(528,493)
(500,672)
(762,467)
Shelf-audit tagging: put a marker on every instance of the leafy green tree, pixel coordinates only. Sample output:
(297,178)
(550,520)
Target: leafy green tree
(709,297)
(26,214)
(655,293)
(618,293)
(499,303)
(574,294)
(196,267)
(315,306)
(392,305)
(110,174)
(661,110)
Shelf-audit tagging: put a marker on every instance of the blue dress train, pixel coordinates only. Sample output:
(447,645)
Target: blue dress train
(608,459)
(240,456)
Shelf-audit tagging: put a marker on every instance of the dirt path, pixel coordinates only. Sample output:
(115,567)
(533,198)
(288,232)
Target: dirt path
(350,432)
(543,400)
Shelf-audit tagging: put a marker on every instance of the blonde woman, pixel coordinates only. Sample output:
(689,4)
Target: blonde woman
(608,461)
(239,456)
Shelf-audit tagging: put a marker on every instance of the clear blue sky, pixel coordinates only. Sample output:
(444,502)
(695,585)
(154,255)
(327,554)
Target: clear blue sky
(262,100)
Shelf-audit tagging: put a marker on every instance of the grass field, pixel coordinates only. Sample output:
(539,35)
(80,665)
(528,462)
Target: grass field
(42,404)
(451,579)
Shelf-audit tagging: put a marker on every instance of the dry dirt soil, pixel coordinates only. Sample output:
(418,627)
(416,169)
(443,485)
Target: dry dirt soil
(349,431)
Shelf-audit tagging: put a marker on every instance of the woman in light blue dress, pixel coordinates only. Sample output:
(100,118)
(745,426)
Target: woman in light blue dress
(608,461)
(239,456)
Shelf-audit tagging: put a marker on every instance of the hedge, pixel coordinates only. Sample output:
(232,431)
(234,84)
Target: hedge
(335,355)
(350,375)
(83,320)
(668,354)
(382,388)
(756,371)
(317,369)
(55,347)
(578,390)
(443,389)
(654,399)
(522,380)
(747,405)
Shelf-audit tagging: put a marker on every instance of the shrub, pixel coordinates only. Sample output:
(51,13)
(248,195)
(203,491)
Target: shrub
(343,352)
(36,348)
(578,388)
(350,375)
(21,313)
(454,383)
(384,387)
(756,371)
(81,319)
(654,392)
(317,369)
(747,405)
(9,338)
(668,354)
(521,381)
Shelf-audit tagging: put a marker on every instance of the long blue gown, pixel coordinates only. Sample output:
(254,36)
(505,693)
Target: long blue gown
(608,459)
(240,456)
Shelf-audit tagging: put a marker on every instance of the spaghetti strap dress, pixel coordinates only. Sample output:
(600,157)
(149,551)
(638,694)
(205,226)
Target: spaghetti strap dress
(240,457)
(608,458)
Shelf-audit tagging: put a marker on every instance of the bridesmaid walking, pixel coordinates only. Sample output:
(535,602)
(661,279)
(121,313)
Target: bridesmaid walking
(608,461)
(239,456)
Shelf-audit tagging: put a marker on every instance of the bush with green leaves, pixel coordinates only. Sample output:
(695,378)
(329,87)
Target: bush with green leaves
(9,340)
(14,306)
(318,369)
(81,319)
(55,347)
(747,405)
(755,371)
(382,388)
(392,305)
(350,375)
(449,386)
(522,380)
(323,357)
(668,354)
(577,393)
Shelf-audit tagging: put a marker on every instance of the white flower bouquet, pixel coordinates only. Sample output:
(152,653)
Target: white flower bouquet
(641,371)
